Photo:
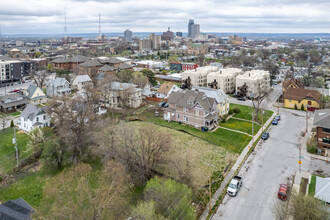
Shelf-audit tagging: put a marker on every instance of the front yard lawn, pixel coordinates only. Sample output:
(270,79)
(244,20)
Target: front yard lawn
(311,188)
(246,113)
(231,140)
(240,125)
(7,148)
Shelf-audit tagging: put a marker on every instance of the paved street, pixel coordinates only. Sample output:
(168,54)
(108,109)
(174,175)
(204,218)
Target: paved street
(9,88)
(275,160)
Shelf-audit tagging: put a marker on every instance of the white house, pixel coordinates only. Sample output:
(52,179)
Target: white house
(58,87)
(33,117)
(166,89)
(81,81)
(198,76)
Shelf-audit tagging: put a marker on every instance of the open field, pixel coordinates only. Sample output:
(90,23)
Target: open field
(240,125)
(246,113)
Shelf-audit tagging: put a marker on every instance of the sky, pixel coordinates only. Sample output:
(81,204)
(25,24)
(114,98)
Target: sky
(237,16)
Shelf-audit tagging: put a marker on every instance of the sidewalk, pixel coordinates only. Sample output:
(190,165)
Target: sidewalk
(230,174)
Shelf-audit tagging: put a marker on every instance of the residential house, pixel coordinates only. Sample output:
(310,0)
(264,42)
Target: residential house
(12,102)
(16,209)
(146,91)
(193,108)
(257,81)
(221,98)
(300,96)
(33,117)
(81,81)
(322,189)
(58,87)
(225,79)
(123,95)
(198,76)
(291,83)
(322,124)
(166,89)
(35,95)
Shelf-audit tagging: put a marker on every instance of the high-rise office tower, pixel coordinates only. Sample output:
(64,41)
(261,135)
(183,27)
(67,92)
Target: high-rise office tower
(190,24)
(155,41)
(195,30)
(128,35)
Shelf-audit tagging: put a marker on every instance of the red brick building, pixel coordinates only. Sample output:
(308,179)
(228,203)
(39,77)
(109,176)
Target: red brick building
(322,123)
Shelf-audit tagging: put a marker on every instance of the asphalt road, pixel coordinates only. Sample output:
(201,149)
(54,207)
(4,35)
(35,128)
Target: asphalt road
(275,161)
(7,89)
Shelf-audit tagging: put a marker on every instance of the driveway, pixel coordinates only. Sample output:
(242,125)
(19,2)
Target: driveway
(274,161)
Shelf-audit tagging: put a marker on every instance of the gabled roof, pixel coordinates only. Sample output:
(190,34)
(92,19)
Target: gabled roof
(301,93)
(92,62)
(31,111)
(32,89)
(14,102)
(124,66)
(165,88)
(217,94)
(322,118)
(297,84)
(79,59)
(322,189)
(15,210)
(57,82)
(110,60)
(190,98)
(107,68)
(124,86)
(61,60)
(83,78)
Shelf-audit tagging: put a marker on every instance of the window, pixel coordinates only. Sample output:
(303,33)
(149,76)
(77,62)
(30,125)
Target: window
(298,101)
(185,118)
(178,116)
(37,119)
(197,112)
(44,117)
(326,140)
(327,130)
(290,100)
(185,110)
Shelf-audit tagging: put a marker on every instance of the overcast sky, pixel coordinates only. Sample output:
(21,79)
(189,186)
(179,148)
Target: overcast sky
(250,16)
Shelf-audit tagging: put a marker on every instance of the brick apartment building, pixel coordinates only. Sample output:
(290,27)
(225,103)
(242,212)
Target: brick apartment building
(322,123)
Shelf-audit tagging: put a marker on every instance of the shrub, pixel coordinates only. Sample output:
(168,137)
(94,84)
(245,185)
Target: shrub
(231,111)
(311,146)
(295,107)
(12,124)
(302,107)
(237,110)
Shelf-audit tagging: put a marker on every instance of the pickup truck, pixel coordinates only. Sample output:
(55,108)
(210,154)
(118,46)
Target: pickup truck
(234,185)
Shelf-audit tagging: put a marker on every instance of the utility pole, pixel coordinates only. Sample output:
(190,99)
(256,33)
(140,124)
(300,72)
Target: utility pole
(210,196)
(306,119)
(299,161)
(15,142)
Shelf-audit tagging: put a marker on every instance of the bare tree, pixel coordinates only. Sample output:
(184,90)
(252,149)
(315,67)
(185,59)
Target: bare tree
(39,77)
(260,95)
(3,120)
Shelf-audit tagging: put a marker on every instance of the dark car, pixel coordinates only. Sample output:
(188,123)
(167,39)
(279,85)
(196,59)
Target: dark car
(265,136)
(277,117)
(274,122)
(165,105)
(161,104)
(241,99)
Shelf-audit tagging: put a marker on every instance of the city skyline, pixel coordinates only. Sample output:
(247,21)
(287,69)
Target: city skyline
(82,16)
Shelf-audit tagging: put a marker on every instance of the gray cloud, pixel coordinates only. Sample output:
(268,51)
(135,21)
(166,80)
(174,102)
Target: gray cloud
(35,16)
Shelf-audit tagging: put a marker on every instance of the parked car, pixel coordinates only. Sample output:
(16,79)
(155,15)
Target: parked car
(161,104)
(241,99)
(265,136)
(165,105)
(274,122)
(234,185)
(282,192)
(277,117)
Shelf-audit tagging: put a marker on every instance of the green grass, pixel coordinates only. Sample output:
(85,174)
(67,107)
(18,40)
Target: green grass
(29,188)
(240,125)
(231,140)
(311,189)
(13,114)
(7,149)
(246,113)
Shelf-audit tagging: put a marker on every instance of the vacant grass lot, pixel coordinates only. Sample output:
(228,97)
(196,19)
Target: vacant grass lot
(7,148)
(230,140)
(197,152)
(246,112)
(240,125)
